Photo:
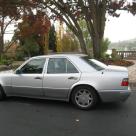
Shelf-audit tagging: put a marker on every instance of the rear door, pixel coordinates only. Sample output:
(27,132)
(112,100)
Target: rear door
(60,76)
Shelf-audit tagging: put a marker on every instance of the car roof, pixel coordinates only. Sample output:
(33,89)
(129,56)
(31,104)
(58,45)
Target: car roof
(79,63)
(60,55)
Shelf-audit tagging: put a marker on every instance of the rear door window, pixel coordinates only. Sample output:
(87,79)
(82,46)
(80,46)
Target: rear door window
(60,66)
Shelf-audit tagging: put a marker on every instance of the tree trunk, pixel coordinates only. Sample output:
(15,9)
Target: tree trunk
(1,44)
(2,36)
(97,47)
(82,44)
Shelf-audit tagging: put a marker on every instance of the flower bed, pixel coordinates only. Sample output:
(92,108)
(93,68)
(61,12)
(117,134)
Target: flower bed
(125,63)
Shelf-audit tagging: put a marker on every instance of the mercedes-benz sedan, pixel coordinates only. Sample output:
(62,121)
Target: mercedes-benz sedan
(67,77)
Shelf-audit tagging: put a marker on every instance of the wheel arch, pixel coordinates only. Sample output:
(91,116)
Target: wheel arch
(88,85)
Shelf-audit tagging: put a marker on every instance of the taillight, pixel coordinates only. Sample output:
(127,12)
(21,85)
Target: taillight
(125,82)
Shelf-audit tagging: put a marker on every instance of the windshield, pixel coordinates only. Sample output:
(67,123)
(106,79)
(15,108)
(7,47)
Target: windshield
(94,63)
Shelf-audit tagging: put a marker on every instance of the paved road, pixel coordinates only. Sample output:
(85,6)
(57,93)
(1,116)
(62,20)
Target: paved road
(29,117)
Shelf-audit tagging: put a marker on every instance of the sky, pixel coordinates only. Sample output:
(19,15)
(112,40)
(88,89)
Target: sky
(122,28)
(117,29)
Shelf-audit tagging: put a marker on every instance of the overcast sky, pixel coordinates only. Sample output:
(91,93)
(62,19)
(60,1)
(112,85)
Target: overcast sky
(117,29)
(122,28)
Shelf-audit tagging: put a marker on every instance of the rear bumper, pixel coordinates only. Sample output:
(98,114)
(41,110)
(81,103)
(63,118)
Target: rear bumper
(114,95)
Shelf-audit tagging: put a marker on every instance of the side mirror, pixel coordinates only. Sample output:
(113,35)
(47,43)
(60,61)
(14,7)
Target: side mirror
(18,71)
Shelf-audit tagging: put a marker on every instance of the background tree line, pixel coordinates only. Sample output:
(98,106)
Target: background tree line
(92,12)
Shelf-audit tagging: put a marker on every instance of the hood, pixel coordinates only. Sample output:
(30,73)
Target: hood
(117,68)
(6,72)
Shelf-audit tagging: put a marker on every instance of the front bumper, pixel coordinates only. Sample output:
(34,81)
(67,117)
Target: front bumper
(114,95)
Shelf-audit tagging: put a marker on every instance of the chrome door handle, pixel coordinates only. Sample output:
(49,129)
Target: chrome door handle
(38,78)
(72,78)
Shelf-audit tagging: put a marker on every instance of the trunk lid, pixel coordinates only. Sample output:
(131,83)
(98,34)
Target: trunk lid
(117,68)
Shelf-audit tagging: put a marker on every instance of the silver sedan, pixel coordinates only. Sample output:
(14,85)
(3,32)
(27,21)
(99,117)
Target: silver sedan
(68,77)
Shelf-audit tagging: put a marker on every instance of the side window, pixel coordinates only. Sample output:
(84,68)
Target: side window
(71,68)
(56,65)
(60,65)
(34,66)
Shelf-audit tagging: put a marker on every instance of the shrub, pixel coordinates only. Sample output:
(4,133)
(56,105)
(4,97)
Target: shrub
(104,46)
(69,44)
(20,55)
(4,60)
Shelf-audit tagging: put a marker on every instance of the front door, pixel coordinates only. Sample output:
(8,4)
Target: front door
(60,76)
(29,81)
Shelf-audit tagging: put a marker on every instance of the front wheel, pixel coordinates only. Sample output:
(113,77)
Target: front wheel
(84,97)
(2,94)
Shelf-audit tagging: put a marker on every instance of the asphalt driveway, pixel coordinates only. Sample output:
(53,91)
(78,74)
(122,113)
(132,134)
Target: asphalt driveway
(30,117)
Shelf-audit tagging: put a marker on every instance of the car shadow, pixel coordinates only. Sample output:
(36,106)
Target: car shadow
(109,106)
(38,102)
(61,104)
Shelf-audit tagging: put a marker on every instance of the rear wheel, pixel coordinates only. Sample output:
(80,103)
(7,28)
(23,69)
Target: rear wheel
(84,97)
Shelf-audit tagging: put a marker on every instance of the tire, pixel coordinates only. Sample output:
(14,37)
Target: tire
(84,97)
(2,94)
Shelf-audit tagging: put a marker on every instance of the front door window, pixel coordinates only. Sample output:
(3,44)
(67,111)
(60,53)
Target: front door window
(34,66)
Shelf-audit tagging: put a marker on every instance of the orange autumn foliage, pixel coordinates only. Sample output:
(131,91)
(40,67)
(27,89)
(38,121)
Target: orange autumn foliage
(38,24)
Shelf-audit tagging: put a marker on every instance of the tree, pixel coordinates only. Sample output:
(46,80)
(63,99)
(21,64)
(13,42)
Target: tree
(86,35)
(30,47)
(33,29)
(70,43)
(10,12)
(71,11)
(92,11)
(52,39)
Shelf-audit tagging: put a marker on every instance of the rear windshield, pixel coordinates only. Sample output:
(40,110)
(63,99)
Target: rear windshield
(93,63)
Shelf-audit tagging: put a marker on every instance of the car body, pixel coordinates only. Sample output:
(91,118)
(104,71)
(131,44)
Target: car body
(61,76)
